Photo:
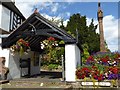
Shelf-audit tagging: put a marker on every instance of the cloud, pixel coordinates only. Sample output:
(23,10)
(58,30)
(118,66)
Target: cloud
(110,27)
(89,21)
(34,1)
(54,8)
(111,31)
(27,6)
(68,14)
(56,20)
(110,23)
(65,22)
(64,15)
(50,17)
(86,0)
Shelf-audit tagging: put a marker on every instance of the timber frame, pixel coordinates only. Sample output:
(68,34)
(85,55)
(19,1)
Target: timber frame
(16,17)
(36,29)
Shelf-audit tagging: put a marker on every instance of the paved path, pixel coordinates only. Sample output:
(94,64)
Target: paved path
(46,80)
(45,76)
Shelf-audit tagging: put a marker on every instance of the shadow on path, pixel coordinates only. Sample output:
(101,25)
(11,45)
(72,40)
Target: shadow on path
(51,74)
(44,76)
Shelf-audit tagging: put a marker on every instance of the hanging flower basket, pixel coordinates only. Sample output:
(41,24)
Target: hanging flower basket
(20,47)
(49,43)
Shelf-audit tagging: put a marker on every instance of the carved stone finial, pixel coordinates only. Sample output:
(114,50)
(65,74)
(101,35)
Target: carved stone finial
(98,4)
(36,10)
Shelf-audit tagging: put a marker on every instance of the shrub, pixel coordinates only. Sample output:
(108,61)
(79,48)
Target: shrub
(52,66)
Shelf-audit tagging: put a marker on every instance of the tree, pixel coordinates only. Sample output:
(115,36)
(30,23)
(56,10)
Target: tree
(87,34)
(93,38)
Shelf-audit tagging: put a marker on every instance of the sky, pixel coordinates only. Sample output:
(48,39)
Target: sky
(64,9)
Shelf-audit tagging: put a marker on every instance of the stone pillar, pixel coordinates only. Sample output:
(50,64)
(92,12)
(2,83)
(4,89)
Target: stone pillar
(72,60)
(100,21)
(0,16)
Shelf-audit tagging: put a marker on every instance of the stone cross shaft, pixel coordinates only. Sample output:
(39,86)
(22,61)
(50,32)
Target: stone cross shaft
(100,21)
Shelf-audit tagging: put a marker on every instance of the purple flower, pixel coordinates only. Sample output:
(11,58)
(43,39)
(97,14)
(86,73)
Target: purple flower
(119,76)
(112,76)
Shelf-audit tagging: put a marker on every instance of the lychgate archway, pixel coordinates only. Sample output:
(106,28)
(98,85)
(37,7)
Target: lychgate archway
(36,29)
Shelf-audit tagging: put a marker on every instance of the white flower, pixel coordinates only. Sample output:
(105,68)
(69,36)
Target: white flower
(42,47)
(106,74)
(56,44)
(11,49)
(28,50)
(25,53)
(42,44)
(52,43)
(114,62)
(46,43)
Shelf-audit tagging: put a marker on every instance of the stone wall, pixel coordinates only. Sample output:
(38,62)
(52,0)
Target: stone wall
(3,70)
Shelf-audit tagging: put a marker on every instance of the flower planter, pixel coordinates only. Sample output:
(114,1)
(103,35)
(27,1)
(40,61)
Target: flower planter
(100,70)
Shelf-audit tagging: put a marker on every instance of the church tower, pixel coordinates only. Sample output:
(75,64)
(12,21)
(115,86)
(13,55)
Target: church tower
(100,21)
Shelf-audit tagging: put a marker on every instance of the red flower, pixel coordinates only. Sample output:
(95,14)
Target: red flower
(90,58)
(115,70)
(83,76)
(27,44)
(95,76)
(104,60)
(51,39)
(85,69)
(20,40)
(94,67)
(97,72)
(100,78)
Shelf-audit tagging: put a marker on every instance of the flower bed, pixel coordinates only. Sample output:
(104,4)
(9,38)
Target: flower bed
(100,67)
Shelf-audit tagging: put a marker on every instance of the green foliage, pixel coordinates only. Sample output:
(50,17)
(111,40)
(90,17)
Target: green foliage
(52,53)
(52,66)
(87,34)
(85,53)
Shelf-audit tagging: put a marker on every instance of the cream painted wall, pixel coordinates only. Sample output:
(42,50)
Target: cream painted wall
(12,62)
(4,53)
(0,14)
(72,60)
(15,69)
